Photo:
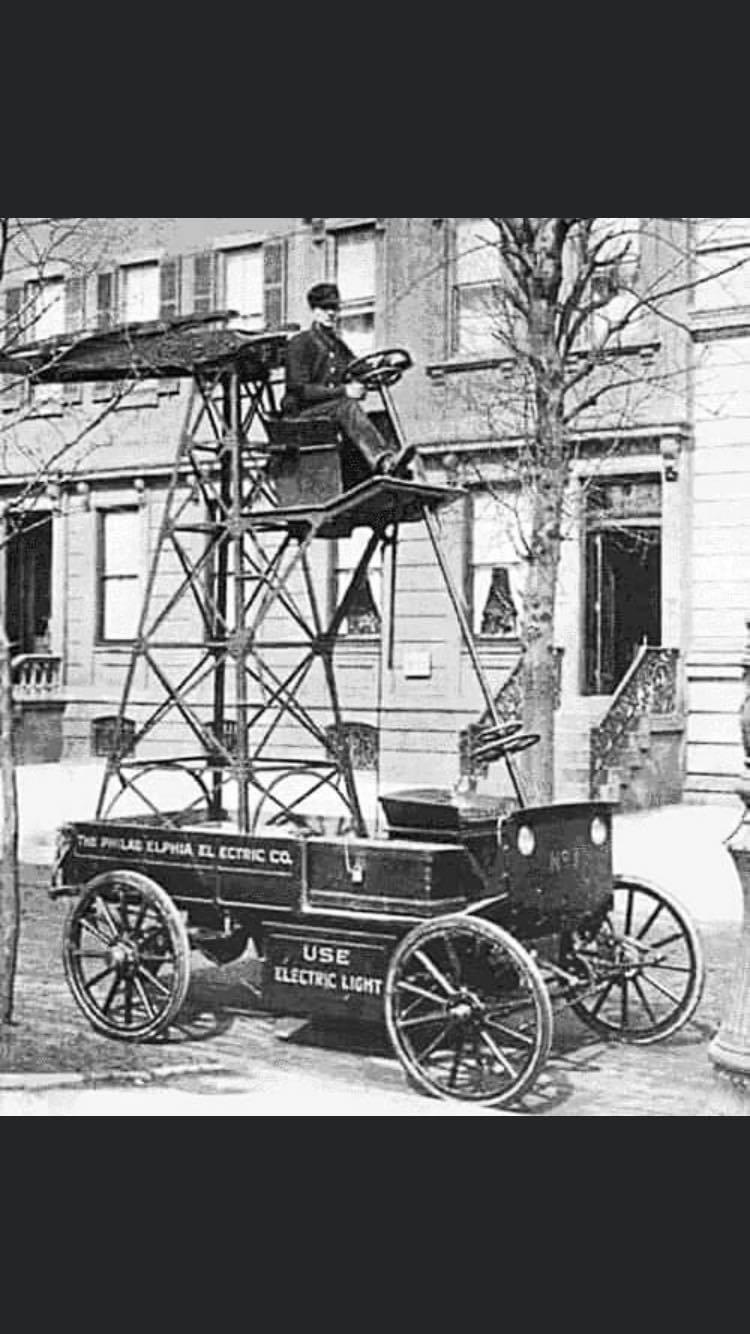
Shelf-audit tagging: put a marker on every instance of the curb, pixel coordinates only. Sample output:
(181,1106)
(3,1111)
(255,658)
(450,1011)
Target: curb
(33,1083)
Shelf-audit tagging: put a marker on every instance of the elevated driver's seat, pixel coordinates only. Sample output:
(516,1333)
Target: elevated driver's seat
(308,464)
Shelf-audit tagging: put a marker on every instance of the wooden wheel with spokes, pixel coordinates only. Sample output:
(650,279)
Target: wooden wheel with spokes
(646,966)
(127,956)
(468,1011)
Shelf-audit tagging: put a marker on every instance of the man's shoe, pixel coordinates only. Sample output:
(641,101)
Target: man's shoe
(383,466)
(395,465)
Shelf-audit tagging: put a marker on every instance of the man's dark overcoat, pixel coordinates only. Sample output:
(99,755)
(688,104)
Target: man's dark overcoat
(316,362)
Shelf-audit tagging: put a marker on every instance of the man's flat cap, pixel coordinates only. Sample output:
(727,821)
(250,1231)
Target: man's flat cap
(322,295)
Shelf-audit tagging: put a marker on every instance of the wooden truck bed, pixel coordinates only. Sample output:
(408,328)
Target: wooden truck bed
(210,863)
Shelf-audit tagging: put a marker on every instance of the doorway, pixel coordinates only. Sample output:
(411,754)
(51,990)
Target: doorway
(29,583)
(623,602)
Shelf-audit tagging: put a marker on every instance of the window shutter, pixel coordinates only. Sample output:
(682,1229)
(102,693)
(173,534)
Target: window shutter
(275,284)
(75,305)
(75,322)
(169,278)
(203,284)
(11,387)
(105,301)
(13,307)
(332,258)
(105,319)
(170,300)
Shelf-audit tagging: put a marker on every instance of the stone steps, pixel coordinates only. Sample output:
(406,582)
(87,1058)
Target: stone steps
(573,746)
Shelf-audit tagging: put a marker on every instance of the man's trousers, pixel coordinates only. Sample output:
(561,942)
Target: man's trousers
(356,427)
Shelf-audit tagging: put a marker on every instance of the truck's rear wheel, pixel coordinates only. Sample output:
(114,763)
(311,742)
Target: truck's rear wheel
(127,956)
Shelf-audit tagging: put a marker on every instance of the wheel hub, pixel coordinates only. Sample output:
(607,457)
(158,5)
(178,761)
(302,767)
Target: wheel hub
(466,1008)
(124,956)
(633,958)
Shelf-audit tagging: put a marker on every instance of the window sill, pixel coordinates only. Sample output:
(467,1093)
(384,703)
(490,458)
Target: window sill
(439,370)
(44,410)
(645,348)
(143,398)
(491,644)
(707,324)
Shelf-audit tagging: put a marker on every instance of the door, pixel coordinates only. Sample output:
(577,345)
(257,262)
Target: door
(29,583)
(623,601)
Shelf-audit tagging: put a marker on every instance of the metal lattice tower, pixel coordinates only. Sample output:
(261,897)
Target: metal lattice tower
(233,631)
(261,632)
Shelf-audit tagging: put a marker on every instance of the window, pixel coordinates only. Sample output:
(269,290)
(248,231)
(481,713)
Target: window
(722,385)
(112,738)
(46,304)
(476,292)
(11,334)
(616,243)
(243,285)
(495,571)
(365,614)
(119,600)
(46,308)
(722,268)
(140,293)
(355,274)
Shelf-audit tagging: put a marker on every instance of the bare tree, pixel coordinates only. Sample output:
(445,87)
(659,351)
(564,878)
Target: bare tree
(36,247)
(587,335)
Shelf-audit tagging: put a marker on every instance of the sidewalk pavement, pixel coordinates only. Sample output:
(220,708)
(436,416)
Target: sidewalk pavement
(226,1095)
(680,848)
(683,850)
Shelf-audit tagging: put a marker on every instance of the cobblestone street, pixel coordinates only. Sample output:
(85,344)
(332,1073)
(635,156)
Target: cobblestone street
(224,1046)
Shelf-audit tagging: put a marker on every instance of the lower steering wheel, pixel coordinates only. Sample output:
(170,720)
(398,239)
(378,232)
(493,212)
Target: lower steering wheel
(502,732)
(379,368)
(491,751)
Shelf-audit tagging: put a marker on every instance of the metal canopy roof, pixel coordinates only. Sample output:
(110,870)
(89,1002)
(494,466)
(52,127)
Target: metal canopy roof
(158,350)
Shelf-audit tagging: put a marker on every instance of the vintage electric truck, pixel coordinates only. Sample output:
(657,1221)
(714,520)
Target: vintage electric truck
(467,919)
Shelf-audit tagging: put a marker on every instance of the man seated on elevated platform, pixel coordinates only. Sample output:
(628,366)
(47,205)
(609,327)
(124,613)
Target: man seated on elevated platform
(316,387)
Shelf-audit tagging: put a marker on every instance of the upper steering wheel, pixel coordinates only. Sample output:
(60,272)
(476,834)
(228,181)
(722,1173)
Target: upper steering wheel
(379,368)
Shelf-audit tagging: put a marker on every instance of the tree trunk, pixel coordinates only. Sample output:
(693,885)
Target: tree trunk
(10,900)
(548,467)
(539,668)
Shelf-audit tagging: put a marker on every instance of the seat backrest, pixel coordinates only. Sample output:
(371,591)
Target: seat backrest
(296,433)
